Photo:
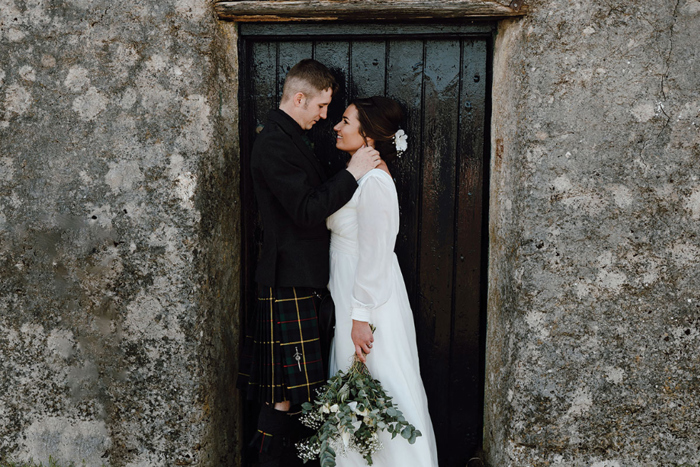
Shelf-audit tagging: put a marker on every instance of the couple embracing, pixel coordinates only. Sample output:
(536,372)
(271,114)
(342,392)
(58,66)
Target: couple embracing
(282,364)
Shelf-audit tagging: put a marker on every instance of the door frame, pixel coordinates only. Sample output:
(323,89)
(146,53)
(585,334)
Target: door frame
(362,10)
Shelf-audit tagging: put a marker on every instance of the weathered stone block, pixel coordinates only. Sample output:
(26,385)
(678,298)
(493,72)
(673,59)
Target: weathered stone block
(593,305)
(118,233)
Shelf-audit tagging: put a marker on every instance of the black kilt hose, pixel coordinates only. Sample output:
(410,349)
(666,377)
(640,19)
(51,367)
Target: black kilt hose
(281,359)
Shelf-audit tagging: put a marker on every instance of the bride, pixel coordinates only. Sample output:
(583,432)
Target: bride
(367,286)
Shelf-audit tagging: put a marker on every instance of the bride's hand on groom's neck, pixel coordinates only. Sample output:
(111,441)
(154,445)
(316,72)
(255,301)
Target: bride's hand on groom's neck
(365,159)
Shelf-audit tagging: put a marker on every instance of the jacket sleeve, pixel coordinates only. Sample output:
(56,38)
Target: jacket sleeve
(378,222)
(282,168)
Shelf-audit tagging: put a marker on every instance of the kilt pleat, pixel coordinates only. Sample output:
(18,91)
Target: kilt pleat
(281,358)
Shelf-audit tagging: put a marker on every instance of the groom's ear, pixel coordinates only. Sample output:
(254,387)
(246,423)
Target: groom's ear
(299,99)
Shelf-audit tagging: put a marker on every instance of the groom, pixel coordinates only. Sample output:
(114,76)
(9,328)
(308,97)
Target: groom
(281,366)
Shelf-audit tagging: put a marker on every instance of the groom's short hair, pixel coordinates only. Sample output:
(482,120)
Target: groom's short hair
(308,77)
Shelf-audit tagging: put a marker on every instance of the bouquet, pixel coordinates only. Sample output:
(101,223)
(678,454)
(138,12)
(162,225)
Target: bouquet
(348,413)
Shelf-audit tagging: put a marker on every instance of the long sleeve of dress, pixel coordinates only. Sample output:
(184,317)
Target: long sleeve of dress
(378,222)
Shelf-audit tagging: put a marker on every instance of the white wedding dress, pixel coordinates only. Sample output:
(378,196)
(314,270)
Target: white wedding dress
(367,285)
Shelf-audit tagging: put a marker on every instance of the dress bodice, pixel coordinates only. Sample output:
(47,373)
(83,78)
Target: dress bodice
(376,191)
(343,226)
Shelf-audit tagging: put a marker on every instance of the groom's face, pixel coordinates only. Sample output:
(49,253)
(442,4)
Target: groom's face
(314,108)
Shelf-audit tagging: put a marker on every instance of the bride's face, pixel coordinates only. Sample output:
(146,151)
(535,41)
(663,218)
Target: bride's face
(348,137)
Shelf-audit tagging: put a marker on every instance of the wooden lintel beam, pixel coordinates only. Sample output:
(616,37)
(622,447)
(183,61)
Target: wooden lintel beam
(361,10)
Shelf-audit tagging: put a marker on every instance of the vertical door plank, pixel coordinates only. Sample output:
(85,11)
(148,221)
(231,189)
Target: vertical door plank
(261,91)
(441,88)
(336,56)
(264,98)
(405,83)
(263,80)
(465,366)
(290,53)
(368,68)
(263,88)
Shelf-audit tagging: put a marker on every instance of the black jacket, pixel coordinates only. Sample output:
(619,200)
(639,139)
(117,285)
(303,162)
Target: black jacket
(294,198)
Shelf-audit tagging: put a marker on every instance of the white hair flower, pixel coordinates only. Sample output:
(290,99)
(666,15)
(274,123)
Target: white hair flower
(400,139)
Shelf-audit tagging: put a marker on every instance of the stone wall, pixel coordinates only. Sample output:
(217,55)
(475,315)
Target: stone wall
(594,305)
(119,230)
(118,223)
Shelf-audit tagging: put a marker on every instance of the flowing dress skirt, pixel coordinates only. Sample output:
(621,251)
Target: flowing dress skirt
(393,361)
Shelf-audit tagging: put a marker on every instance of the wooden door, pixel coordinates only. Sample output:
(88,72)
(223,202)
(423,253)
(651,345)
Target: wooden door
(440,75)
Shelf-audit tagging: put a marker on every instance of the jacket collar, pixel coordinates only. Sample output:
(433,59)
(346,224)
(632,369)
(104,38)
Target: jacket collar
(293,129)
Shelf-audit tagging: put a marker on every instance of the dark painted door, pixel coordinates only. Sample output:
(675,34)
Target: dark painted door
(440,75)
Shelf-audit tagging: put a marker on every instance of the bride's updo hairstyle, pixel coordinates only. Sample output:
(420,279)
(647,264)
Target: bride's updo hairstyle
(379,118)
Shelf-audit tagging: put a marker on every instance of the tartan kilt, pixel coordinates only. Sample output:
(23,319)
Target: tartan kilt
(281,358)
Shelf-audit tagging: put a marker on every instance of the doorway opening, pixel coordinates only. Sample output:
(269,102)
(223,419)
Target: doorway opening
(440,74)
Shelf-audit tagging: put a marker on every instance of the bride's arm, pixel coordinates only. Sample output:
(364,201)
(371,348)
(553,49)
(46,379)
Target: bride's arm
(377,225)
